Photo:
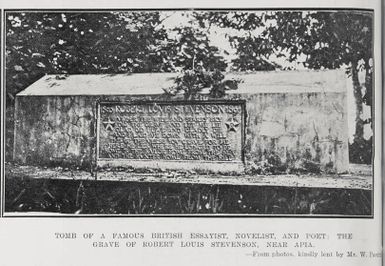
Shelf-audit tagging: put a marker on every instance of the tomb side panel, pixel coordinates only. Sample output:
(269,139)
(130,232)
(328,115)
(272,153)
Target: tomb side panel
(54,130)
(299,131)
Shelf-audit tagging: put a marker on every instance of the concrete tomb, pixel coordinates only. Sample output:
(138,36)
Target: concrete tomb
(287,120)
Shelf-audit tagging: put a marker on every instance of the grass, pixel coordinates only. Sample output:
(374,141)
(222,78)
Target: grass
(105,197)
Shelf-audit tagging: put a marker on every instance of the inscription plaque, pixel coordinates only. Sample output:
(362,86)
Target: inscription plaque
(201,133)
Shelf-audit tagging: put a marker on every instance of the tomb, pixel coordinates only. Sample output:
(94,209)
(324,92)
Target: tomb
(283,120)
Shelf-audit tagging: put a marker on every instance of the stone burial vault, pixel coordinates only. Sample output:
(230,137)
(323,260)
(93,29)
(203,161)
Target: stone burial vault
(293,119)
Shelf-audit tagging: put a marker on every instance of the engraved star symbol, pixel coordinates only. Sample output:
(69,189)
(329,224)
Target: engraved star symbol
(232,124)
(109,125)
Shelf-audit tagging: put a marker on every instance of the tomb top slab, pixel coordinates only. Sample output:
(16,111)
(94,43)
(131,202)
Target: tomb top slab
(303,81)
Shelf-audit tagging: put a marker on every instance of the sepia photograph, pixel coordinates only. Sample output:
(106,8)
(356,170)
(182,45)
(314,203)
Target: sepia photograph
(176,112)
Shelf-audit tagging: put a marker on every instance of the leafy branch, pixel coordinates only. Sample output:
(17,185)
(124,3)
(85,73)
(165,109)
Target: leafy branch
(192,82)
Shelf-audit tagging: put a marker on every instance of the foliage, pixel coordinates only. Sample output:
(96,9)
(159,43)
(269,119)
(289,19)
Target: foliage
(253,54)
(355,151)
(191,82)
(200,62)
(191,49)
(238,20)
(252,51)
(326,39)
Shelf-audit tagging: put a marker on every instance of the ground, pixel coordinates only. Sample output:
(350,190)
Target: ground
(57,190)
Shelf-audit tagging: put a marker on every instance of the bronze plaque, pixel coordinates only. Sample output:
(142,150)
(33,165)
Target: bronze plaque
(170,131)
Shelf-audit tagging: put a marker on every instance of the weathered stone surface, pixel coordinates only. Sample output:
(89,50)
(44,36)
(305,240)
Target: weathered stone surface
(298,128)
(54,130)
(297,121)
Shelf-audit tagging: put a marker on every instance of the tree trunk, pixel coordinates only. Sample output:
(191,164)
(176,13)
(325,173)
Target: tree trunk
(359,132)
(369,90)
